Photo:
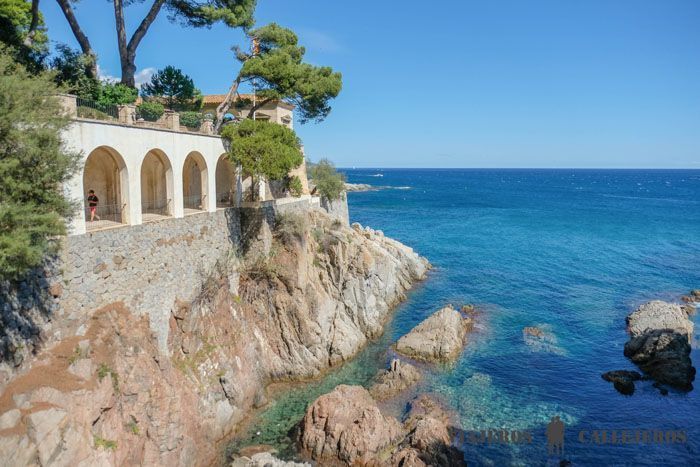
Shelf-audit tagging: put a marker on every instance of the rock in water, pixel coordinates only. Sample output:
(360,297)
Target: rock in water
(541,339)
(623,380)
(345,425)
(398,377)
(657,315)
(439,338)
(429,439)
(660,343)
(265,459)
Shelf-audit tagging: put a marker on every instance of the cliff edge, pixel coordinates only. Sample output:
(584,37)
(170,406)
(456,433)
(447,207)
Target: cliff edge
(308,294)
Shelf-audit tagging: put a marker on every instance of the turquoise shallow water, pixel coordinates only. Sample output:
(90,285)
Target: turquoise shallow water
(571,250)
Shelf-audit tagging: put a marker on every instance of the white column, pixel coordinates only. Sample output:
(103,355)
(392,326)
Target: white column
(74,191)
(239,186)
(134,195)
(210,189)
(178,197)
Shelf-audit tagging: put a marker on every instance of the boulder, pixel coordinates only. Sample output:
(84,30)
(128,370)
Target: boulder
(439,338)
(428,425)
(659,315)
(346,426)
(398,377)
(623,380)
(659,343)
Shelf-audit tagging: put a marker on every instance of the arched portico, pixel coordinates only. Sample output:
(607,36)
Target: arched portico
(105,172)
(156,185)
(225,183)
(195,181)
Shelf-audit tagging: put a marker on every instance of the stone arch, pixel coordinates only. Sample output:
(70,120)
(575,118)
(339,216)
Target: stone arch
(105,172)
(156,185)
(225,182)
(195,181)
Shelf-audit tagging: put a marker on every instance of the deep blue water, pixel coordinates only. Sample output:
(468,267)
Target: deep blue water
(573,251)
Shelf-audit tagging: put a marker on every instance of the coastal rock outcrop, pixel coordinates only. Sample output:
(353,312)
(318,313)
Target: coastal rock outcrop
(390,382)
(623,380)
(439,338)
(346,427)
(108,394)
(429,438)
(659,344)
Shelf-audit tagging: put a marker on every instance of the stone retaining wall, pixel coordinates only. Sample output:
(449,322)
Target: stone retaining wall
(149,267)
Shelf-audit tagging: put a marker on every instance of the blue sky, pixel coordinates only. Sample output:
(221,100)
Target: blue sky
(462,83)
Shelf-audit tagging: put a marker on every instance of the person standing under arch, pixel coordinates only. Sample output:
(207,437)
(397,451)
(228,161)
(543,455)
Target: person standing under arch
(93,201)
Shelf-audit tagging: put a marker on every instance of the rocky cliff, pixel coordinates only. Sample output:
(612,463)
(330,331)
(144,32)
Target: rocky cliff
(308,294)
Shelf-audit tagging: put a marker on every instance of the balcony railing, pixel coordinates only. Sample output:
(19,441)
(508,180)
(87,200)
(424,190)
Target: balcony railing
(95,110)
(106,212)
(225,199)
(194,202)
(159,206)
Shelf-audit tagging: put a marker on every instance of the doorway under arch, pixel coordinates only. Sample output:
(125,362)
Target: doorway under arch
(105,173)
(194,182)
(156,186)
(225,183)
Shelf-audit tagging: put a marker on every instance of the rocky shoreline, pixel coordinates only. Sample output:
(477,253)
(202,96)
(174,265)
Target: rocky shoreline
(308,295)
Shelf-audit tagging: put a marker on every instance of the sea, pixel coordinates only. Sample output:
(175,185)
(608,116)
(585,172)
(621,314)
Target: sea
(571,252)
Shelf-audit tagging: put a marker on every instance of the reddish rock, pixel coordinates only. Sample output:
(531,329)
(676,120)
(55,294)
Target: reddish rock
(398,377)
(346,426)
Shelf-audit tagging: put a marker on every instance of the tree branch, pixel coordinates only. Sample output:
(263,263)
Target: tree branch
(79,35)
(258,105)
(226,104)
(145,24)
(29,40)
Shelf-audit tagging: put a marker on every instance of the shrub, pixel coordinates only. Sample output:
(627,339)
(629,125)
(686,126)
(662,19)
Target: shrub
(191,119)
(329,183)
(294,185)
(117,94)
(151,111)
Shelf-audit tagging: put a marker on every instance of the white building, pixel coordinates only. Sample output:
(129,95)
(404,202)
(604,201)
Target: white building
(145,171)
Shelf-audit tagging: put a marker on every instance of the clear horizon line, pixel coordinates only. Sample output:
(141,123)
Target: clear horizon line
(517,168)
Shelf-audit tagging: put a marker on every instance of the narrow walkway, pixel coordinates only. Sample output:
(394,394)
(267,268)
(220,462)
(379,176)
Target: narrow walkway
(101,225)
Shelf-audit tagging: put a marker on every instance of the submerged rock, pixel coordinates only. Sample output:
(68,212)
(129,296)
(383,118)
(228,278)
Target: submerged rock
(398,377)
(346,425)
(541,339)
(623,380)
(439,338)
(660,343)
(265,459)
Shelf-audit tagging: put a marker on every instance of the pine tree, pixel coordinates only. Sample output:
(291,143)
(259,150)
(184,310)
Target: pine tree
(34,164)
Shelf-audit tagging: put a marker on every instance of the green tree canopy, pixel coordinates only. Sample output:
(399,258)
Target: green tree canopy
(174,88)
(263,149)
(73,73)
(193,13)
(34,164)
(329,182)
(22,28)
(276,66)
